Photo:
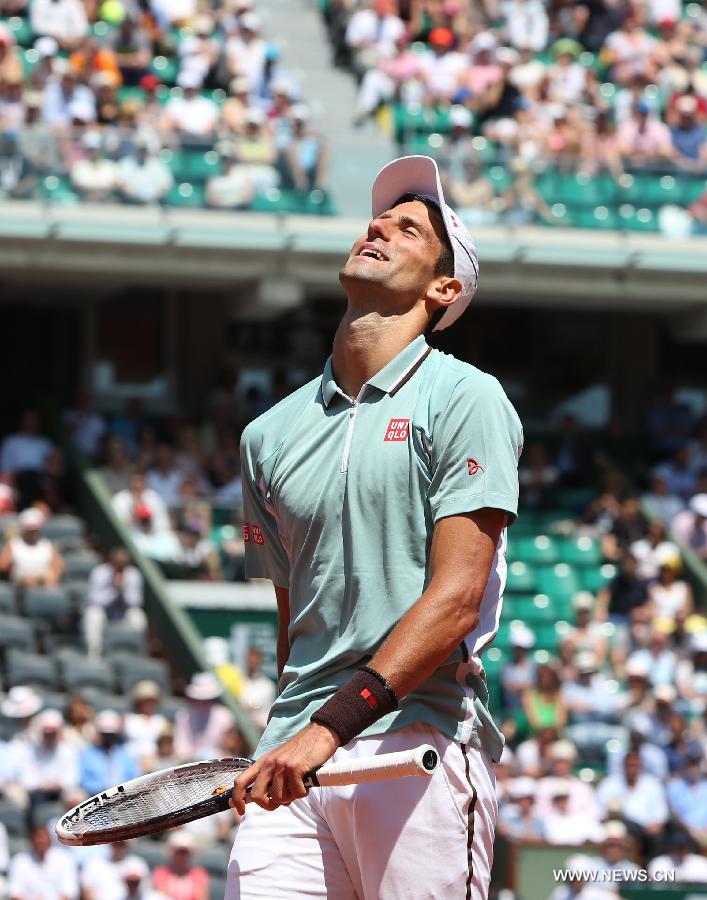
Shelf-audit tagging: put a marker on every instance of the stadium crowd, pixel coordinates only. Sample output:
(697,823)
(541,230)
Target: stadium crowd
(149,102)
(599,88)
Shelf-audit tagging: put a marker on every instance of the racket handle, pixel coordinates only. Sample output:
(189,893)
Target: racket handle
(420,761)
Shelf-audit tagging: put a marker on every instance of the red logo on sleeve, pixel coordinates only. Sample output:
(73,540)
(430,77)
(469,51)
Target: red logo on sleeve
(397,430)
(258,535)
(474,466)
(369,698)
(246,532)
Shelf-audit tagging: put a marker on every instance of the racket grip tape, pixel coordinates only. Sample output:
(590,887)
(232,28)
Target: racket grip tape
(423,760)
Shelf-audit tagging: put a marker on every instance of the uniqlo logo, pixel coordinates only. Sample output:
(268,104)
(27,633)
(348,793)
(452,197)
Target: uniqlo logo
(369,698)
(258,535)
(397,430)
(246,532)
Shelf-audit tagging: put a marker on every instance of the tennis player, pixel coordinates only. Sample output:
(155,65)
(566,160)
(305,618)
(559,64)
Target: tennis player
(376,501)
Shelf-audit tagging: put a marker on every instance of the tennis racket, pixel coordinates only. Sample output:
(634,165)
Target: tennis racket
(171,797)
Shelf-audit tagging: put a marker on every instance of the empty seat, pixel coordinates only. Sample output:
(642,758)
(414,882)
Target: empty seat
(82,671)
(530,608)
(581,551)
(48,604)
(7,599)
(521,579)
(594,578)
(558,580)
(118,638)
(131,669)
(536,550)
(153,852)
(63,526)
(101,700)
(30,669)
(80,565)
(13,818)
(16,633)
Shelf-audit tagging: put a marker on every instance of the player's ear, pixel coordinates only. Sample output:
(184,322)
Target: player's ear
(442,292)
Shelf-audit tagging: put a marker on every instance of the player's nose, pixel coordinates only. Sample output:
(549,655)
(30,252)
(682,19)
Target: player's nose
(379,228)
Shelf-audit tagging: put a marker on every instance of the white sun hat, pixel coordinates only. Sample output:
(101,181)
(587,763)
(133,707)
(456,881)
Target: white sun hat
(204,686)
(420,175)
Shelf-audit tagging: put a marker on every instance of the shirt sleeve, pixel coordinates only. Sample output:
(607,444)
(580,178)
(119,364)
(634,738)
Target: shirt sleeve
(265,555)
(474,452)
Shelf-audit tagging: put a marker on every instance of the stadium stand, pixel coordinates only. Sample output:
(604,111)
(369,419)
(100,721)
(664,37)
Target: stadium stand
(590,115)
(123,102)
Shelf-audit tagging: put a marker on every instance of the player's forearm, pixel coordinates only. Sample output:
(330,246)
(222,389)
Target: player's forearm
(425,637)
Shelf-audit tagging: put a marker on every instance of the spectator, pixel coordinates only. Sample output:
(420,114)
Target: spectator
(256,154)
(625,594)
(10,62)
(193,117)
(235,107)
(639,798)
(43,872)
(690,526)
(94,177)
(653,551)
(142,177)
(144,724)
(587,634)
(517,818)
(87,427)
(442,67)
(233,188)
(564,827)
(198,553)
(102,877)
(245,51)
(78,728)
(307,153)
(681,748)
(371,35)
(689,138)
(578,867)
(613,856)
(115,594)
(131,46)
(160,545)
(681,861)
(63,20)
(118,470)
(691,674)
(640,740)
(107,762)
(588,698)
(658,658)
(630,50)
(687,796)
(537,476)
(165,478)
(659,501)
(669,596)
(29,559)
(199,730)
(581,797)
(669,424)
(180,879)
(567,77)
(165,757)
(26,450)
(135,874)
(48,764)
(643,139)
(600,147)
(679,473)
(532,756)
(387,80)
(139,496)
(526,23)
(520,672)
(258,692)
(91,59)
(543,704)
(55,490)
(571,452)
(65,99)
(628,527)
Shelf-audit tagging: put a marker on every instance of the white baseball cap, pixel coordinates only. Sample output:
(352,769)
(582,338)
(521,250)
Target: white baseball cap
(204,686)
(420,175)
(698,505)
(31,519)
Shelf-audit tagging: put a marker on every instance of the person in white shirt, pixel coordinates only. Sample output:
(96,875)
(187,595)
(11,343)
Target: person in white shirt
(165,478)
(659,660)
(565,827)
(246,50)
(143,178)
(115,594)
(191,115)
(94,177)
(442,67)
(48,765)
(581,798)
(64,20)
(652,551)
(28,558)
(27,449)
(689,867)
(103,878)
(637,797)
(126,502)
(670,596)
(259,692)
(44,872)
(372,34)
(526,23)
(690,526)
(200,729)
(144,724)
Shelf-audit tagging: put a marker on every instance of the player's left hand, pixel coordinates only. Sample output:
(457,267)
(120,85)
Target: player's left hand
(278,776)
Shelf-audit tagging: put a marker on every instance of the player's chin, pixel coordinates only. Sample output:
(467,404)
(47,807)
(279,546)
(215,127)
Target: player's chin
(363,268)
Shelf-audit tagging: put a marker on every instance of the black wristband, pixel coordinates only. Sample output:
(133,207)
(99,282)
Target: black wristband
(363,700)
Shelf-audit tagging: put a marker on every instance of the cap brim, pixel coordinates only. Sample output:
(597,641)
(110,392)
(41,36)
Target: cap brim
(420,175)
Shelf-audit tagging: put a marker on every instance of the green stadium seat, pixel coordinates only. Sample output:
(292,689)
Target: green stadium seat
(558,580)
(581,551)
(529,608)
(21,30)
(64,526)
(594,578)
(196,165)
(602,218)
(185,195)
(274,201)
(130,92)
(58,190)
(537,550)
(520,578)
(166,69)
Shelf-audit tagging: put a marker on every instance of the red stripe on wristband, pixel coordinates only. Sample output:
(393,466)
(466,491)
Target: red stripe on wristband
(364,699)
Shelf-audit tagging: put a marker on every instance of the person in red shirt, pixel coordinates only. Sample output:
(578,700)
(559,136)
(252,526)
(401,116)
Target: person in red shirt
(180,879)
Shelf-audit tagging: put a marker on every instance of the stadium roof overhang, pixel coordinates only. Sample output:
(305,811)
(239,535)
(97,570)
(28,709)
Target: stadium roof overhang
(207,249)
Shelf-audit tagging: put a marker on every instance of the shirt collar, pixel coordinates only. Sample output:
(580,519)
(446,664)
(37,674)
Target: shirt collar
(390,377)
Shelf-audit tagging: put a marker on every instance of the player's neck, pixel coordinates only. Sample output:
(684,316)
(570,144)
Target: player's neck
(365,342)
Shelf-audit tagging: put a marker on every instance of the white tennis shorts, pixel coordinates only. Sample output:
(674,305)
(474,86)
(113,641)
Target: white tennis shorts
(402,839)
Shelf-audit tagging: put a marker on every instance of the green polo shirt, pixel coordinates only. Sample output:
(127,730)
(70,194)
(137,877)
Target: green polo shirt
(341,497)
